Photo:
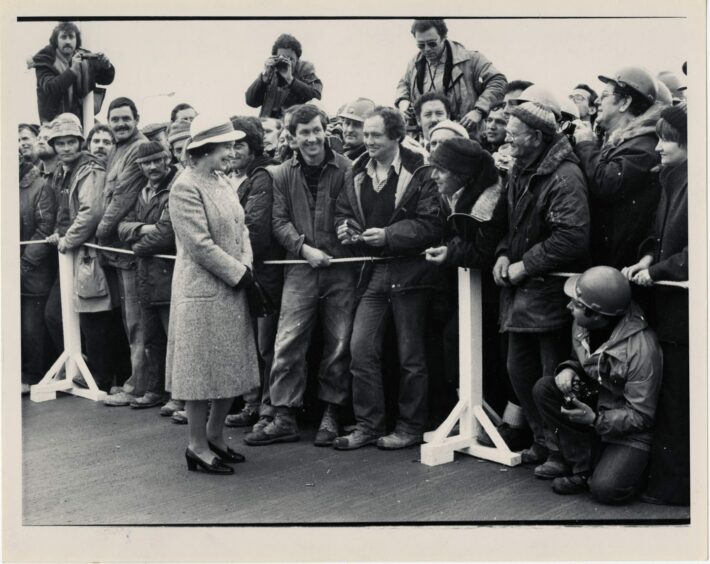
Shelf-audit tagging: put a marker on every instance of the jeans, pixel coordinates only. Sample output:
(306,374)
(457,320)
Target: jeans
(259,398)
(308,293)
(131,312)
(618,471)
(32,330)
(532,356)
(408,310)
(155,320)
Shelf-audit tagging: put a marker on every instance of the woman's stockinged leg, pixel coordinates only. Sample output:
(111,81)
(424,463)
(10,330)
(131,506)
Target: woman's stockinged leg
(197,419)
(215,423)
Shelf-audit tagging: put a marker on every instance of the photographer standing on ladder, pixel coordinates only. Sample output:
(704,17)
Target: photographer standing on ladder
(66,73)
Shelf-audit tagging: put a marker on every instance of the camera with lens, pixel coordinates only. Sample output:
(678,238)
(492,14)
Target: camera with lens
(568,130)
(89,56)
(282,62)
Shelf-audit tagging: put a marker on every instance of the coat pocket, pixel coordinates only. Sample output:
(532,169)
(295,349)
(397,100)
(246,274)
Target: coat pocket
(199,283)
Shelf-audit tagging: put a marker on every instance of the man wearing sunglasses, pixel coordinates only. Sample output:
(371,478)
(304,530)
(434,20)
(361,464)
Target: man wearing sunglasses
(467,78)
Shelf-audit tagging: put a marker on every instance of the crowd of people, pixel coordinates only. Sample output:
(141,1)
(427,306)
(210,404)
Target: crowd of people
(373,211)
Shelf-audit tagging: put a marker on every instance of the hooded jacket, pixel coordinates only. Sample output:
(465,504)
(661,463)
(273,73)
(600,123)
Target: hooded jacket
(416,223)
(548,229)
(623,191)
(38,213)
(668,245)
(153,275)
(53,96)
(627,369)
(256,194)
(473,82)
(276,95)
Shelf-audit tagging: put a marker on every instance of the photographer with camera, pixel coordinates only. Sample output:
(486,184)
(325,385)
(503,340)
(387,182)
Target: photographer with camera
(607,395)
(286,80)
(66,73)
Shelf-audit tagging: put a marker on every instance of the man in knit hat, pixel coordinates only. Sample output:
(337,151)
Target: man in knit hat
(178,135)
(444,130)
(390,208)
(148,230)
(548,231)
(124,181)
(353,117)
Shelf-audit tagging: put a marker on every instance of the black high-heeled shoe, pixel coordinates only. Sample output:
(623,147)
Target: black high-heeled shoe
(216,467)
(228,455)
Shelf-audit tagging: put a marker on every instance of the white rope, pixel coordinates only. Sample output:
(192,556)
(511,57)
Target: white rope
(685,285)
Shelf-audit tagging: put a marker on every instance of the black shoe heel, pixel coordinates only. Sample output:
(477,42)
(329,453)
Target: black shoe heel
(217,467)
(228,455)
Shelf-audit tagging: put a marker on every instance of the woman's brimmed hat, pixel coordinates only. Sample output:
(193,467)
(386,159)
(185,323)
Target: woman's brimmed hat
(205,129)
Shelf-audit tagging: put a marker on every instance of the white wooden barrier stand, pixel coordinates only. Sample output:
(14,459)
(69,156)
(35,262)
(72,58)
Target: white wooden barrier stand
(469,412)
(56,379)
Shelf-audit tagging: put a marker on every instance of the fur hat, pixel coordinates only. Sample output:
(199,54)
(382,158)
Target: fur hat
(462,157)
(536,116)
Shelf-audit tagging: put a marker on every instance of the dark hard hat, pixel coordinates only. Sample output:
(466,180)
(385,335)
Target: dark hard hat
(602,289)
(635,78)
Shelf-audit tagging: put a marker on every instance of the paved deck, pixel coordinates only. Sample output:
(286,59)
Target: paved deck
(118,466)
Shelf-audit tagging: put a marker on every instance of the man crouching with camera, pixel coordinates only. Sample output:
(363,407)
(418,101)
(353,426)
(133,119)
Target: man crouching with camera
(598,409)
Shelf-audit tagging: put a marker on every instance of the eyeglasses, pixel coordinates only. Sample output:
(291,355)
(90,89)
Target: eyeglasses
(430,44)
(577,98)
(513,136)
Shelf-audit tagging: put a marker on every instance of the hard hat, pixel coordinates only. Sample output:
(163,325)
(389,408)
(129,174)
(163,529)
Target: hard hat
(542,96)
(664,95)
(358,110)
(602,289)
(636,78)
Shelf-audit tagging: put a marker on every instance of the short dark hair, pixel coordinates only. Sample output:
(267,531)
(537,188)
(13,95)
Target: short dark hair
(31,127)
(421,25)
(66,27)
(394,122)
(639,103)
(180,107)
(495,107)
(430,97)
(255,133)
(667,132)
(287,41)
(592,94)
(119,103)
(305,114)
(514,85)
(96,129)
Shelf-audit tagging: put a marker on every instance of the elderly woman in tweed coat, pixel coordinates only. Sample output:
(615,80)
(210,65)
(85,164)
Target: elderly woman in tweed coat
(211,349)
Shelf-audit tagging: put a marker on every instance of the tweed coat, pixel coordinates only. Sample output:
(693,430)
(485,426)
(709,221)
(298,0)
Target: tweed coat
(211,348)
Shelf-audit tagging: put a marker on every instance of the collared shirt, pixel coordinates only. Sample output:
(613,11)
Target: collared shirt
(453,199)
(379,183)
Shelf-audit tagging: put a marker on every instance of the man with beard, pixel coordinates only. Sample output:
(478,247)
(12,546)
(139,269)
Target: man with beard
(353,117)
(467,78)
(124,180)
(305,191)
(46,155)
(66,73)
(272,128)
(390,208)
(100,142)
(256,196)
(149,231)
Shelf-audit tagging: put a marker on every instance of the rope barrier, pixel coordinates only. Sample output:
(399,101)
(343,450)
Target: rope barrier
(671,283)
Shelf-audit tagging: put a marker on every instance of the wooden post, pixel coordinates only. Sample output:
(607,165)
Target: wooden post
(59,377)
(87,105)
(439,446)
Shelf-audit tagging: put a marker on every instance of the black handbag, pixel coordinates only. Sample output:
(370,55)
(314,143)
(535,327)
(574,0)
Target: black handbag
(260,303)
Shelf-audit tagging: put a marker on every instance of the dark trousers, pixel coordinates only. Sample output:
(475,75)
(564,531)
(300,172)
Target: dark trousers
(155,321)
(105,347)
(259,399)
(619,469)
(53,316)
(669,469)
(532,356)
(32,334)
(408,311)
(308,294)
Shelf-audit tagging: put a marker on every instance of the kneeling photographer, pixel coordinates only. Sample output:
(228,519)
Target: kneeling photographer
(598,410)
(286,80)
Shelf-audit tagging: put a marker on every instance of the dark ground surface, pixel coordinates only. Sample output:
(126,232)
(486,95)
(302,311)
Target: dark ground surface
(87,464)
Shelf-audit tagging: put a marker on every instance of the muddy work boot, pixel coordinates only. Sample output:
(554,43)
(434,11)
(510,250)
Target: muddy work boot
(283,429)
(328,429)
(245,418)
